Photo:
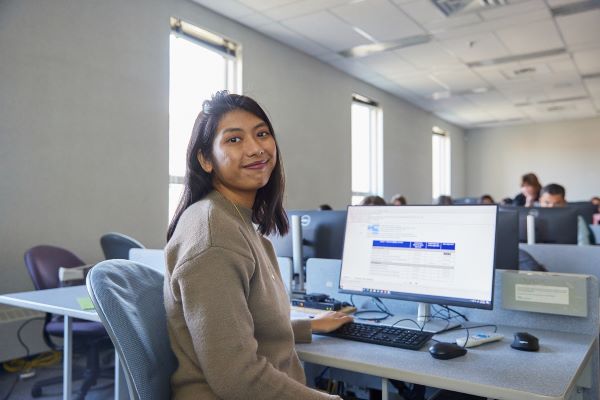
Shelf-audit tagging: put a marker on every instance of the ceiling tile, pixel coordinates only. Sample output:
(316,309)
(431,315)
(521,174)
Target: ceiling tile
(580,28)
(420,84)
(388,64)
(327,30)
(531,38)
(281,33)
(477,47)
(300,8)
(379,18)
(255,20)
(429,55)
(459,80)
(588,61)
(558,3)
(593,85)
(262,5)
(231,9)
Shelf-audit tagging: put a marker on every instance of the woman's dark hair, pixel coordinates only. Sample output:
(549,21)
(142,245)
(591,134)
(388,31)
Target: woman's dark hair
(267,210)
(532,180)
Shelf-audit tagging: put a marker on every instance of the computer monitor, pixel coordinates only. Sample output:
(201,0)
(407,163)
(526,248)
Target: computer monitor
(322,233)
(427,254)
(507,239)
(552,225)
(584,208)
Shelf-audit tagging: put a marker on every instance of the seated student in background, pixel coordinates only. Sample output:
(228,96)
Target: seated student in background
(444,200)
(325,207)
(398,200)
(596,201)
(507,201)
(373,201)
(530,191)
(554,195)
(486,199)
(228,313)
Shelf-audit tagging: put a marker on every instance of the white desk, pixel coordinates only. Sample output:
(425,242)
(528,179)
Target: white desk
(63,301)
(493,370)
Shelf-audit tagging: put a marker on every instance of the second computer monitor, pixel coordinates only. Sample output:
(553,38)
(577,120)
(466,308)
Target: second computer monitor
(507,239)
(552,225)
(322,233)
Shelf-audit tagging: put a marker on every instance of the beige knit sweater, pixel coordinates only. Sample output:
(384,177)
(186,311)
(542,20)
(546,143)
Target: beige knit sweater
(228,312)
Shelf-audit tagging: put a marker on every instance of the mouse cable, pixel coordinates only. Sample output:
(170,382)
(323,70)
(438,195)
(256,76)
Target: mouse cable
(450,309)
(411,320)
(381,305)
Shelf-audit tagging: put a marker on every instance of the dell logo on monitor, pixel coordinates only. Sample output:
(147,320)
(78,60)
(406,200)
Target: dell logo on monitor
(305,220)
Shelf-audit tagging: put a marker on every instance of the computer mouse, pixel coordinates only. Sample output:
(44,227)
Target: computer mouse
(446,350)
(525,341)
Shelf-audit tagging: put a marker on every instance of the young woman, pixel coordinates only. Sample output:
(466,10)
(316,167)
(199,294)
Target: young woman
(227,309)
(530,191)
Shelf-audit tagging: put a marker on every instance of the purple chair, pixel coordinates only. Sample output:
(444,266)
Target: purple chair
(43,263)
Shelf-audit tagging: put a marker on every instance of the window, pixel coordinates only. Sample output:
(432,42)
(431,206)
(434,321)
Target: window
(367,149)
(201,63)
(440,155)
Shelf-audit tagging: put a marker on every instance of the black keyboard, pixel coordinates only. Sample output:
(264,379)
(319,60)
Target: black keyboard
(383,335)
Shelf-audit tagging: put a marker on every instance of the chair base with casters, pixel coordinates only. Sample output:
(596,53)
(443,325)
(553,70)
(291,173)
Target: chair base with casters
(93,346)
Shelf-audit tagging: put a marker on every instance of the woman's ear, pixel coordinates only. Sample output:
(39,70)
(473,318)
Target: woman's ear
(204,163)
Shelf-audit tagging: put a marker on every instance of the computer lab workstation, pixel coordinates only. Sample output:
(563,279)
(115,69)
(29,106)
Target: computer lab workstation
(435,309)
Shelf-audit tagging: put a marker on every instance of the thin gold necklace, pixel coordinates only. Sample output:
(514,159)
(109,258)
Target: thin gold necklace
(246,225)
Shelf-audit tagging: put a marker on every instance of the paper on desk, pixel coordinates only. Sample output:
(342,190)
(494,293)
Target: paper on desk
(85,303)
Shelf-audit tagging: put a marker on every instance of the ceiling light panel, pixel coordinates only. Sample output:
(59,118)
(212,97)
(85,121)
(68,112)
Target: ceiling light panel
(379,18)
(327,30)
(541,36)
(580,28)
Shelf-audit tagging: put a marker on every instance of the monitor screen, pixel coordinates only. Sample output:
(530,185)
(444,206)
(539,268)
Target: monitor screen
(322,234)
(430,254)
(507,239)
(552,225)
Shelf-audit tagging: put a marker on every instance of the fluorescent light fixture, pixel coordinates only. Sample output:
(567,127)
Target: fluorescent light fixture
(521,57)
(369,49)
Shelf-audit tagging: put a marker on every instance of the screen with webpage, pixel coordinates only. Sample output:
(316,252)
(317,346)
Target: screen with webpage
(431,254)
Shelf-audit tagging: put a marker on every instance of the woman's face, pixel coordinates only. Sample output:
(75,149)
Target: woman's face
(243,154)
(528,190)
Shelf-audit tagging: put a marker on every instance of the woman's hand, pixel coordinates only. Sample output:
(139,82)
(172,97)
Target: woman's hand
(329,321)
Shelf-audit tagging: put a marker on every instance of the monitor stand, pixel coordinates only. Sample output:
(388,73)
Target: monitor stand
(429,324)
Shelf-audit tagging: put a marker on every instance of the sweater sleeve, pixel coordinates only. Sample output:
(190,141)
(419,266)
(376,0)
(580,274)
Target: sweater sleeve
(213,289)
(302,330)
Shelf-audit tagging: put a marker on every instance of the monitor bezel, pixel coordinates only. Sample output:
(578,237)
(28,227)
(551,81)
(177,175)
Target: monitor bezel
(447,301)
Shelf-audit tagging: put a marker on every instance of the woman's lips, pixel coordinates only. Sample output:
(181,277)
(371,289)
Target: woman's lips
(257,165)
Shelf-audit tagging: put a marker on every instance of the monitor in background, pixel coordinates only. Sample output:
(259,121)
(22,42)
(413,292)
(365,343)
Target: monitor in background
(322,233)
(466,200)
(427,254)
(584,208)
(507,239)
(552,225)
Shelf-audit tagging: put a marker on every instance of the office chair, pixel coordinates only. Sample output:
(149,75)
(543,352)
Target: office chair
(43,263)
(116,245)
(128,297)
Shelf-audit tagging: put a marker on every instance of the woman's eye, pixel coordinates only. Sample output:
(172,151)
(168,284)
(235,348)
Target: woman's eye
(234,140)
(263,134)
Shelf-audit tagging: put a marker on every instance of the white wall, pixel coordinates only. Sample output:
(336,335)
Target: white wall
(84,124)
(563,152)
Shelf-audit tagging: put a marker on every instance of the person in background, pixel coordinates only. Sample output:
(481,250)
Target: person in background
(444,200)
(373,201)
(398,200)
(507,201)
(554,195)
(228,314)
(486,199)
(325,207)
(530,191)
(596,201)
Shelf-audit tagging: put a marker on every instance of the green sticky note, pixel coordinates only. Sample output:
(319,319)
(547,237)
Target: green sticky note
(85,303)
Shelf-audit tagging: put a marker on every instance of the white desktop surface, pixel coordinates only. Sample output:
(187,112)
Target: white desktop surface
(493,370)
(63,301)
